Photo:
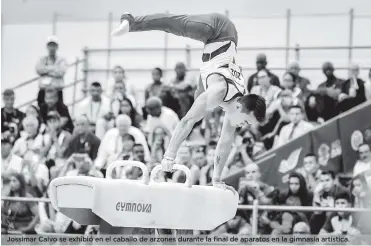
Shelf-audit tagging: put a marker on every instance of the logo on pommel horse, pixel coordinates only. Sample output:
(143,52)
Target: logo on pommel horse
(133,207)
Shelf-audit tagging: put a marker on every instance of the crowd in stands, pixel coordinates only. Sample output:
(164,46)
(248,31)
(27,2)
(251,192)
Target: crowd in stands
(46,141)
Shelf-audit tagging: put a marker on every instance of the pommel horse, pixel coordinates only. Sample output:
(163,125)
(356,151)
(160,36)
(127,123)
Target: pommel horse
(142,203)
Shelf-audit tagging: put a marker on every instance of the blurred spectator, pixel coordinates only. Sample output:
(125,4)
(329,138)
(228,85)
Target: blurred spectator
(131,172)
(95,106)
(324,196)
(111,144)
(341,223)
(264,87)
(10,162)
(159,115)
(184,157)
(169,100)
(19,216)
(57,224)
(36,173)
(119,94)
(252,173)
(352,90)
(199,155)
(310,171)
(236,226)
(237,159)
(108,121)
(31,140)
(51,68)
(126,153)
(35,112)
(32,149)
(154,89)
(251,181)
(83,141)
(244,152)
(283,222)
(296,128)
(289,82)
(360,192)
(206,171)
(11,118)
(297,190)
(311,109)
(158,141)
(253,147)
(368,86)
(363,165)
(80,164)
(119,78)
(126,107)
(56,140)
(301,228)
(182,76)
(323,101)
(184,93)
(52,104)
(138,153)
(325,191)
(301,82)
(261,64)
(278,115)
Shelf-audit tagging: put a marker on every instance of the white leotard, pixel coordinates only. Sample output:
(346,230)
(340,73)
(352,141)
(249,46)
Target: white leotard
(223,65)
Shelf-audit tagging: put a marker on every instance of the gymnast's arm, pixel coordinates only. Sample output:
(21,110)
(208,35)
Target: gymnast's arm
(206,101)
(223,148)
(200,88)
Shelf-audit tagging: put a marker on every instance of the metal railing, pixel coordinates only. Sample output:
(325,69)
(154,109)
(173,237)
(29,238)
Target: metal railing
(289,17)
(296,53)
(76,81)
(287,50)
(255,208)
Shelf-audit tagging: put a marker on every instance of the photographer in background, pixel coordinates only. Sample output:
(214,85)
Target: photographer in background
(244,152)
(11,118)
(253,147)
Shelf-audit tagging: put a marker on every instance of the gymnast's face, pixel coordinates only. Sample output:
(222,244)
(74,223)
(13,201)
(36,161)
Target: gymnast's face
(241,118)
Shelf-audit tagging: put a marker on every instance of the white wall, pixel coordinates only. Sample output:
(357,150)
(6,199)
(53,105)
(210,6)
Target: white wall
(84,23)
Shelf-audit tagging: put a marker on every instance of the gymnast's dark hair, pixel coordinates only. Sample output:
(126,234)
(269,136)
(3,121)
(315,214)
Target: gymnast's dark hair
(256,104)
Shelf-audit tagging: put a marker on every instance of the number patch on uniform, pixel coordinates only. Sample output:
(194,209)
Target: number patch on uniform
(236,72)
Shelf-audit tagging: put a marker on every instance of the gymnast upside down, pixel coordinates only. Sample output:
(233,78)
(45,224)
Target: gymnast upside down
(221,82)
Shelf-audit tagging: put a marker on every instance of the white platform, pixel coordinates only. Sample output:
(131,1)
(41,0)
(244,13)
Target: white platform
(145,203)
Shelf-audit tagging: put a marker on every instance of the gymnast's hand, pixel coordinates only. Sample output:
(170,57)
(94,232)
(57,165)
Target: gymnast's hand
(167,164)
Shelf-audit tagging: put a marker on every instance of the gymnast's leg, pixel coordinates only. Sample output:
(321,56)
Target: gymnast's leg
(161,22)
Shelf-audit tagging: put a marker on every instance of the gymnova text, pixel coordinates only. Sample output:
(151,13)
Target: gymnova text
(133,207)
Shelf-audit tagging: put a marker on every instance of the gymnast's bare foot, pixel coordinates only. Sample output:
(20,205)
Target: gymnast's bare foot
(222,185)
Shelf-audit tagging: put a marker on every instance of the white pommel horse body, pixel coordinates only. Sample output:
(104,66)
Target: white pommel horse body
(142,203)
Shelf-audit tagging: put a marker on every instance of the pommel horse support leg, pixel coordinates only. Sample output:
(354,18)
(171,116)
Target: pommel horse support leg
(142,203)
